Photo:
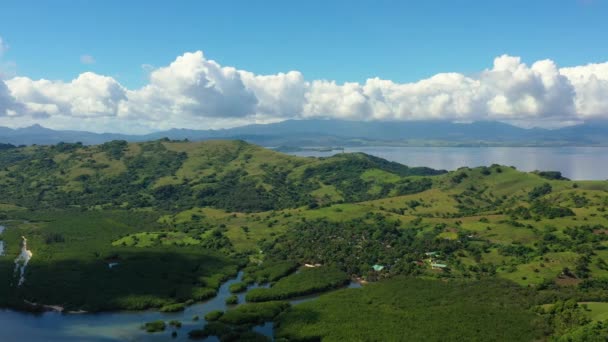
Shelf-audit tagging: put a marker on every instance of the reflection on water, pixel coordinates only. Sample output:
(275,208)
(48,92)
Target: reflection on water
(102,327)
(578,163)
(120,326)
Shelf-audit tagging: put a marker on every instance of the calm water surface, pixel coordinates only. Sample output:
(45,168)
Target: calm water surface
(119,326)
(578,163)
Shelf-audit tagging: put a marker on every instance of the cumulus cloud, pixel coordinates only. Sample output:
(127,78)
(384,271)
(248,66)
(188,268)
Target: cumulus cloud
(196,92)
(195,87)
(591,85)
(89,95)
(510,90)
(87,59)
(8,104)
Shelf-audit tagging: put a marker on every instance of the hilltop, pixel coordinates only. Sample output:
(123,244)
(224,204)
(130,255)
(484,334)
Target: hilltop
(230,175)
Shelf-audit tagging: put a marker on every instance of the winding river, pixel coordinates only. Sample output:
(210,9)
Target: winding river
(119,326)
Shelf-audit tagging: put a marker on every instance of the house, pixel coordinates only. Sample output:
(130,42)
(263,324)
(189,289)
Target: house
(378,268)
(431,254)
(438,266)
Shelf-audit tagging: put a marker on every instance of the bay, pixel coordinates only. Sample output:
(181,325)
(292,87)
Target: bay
(576,163)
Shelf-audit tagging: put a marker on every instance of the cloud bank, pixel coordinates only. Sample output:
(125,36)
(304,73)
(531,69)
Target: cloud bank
(196,92)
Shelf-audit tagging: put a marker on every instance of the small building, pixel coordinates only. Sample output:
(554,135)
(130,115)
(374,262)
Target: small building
(378,268)
(438,266)
(431,254)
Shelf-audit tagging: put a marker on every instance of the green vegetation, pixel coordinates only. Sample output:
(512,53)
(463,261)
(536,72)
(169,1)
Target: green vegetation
(175,323)
(308,281)
(269,271)
(232,300)
(214,315)
(156,326)
(163,224)
(231,175)
(227,333)
(422,310)
(75,271)
(238,287)
(253,313)
(173,307)
(592,332)
(539,191)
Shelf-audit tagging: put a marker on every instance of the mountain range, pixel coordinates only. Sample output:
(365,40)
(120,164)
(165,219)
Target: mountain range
(327,133)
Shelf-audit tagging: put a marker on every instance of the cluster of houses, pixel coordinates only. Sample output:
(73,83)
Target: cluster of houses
(434,262)
(432,259)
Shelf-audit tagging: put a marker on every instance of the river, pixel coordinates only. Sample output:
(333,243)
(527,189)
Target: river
(577,163)
(119,326)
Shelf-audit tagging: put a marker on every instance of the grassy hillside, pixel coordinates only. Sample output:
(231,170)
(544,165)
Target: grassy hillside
(230,175)
(175,218)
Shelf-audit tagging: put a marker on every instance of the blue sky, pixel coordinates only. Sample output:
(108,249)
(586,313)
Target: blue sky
(140,66)
(339,40)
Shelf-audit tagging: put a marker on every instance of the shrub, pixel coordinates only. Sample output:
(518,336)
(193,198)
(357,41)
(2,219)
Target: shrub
(306,282)
(175,323)
(238,287)
(203,293)
(155,326)
(254,313)
(232,300)
(540,191)
(214,315)
(173,307)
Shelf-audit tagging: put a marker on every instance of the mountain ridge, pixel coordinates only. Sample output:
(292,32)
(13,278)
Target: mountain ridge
(319,133)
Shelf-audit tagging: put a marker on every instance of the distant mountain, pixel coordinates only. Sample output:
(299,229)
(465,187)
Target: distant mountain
(318,133)
(39,135)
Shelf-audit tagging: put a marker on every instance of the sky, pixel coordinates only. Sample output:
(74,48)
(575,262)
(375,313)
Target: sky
(141,66)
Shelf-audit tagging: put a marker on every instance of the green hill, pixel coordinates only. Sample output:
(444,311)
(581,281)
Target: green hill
(146,225)
(231,175)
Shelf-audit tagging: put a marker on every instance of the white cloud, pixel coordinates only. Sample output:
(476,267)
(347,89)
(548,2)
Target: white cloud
(280,95)
(192,87)
(89,95)
(196,92)
(8,104)
(87,59)
(591,85)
